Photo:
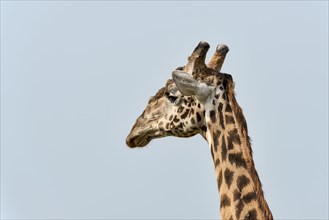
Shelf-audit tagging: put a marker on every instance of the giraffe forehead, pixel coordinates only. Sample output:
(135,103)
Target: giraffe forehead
(213,79)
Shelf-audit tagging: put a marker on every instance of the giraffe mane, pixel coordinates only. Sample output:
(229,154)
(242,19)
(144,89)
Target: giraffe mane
(242,124)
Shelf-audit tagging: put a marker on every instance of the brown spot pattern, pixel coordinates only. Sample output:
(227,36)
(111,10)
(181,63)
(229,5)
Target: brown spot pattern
(242,181)
(224,201)
(212,116)
(220,179)
(238,160)
(228,176)
(249,197)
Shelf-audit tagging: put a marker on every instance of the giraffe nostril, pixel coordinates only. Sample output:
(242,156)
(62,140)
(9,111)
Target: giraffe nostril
(130,142)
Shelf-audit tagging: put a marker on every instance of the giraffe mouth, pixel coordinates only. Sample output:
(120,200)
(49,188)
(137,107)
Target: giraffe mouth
(139,140)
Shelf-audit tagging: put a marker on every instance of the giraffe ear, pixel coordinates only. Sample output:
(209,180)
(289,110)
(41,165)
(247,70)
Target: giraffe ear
(189,86)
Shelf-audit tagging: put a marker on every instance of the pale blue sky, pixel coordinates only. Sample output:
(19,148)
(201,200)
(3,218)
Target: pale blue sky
(75,75)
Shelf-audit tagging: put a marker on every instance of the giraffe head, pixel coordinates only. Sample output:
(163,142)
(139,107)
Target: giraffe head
(169,112)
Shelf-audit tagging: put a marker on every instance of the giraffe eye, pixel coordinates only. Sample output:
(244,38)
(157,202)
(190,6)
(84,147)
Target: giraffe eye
(172,99)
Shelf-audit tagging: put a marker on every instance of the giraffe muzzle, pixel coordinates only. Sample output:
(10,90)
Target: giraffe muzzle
(138,139)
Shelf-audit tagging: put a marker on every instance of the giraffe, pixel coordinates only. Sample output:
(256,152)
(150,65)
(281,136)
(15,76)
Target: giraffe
(225,129)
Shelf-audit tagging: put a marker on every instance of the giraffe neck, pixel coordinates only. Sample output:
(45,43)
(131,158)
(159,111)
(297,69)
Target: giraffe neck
(241,194)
